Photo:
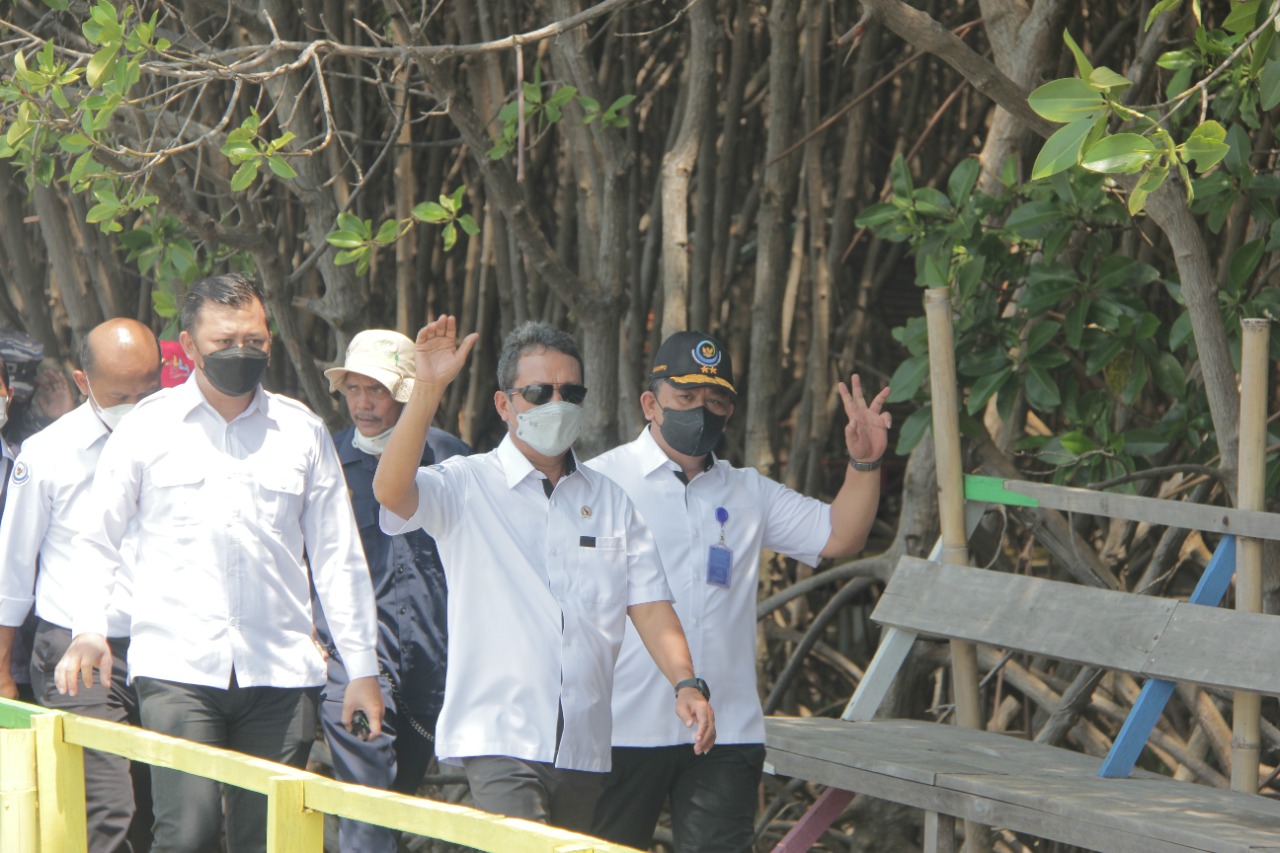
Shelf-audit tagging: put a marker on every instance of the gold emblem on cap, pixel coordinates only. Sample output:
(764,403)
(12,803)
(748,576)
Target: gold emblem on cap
(586,512)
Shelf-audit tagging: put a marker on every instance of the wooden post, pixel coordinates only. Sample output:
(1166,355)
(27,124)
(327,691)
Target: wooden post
(291,826)
(59,787)
(955,541)
(1246,740)
(18,830)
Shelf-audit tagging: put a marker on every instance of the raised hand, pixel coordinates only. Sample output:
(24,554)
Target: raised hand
(867,433)
(437,354)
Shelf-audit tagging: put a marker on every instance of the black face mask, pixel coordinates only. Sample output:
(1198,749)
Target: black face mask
(235,371)
(693,432)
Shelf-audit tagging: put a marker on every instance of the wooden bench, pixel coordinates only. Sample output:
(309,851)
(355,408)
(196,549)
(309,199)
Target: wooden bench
(1045,791)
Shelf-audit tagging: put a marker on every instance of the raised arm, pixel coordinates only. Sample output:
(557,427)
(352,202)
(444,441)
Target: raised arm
(438,357)
(866,438)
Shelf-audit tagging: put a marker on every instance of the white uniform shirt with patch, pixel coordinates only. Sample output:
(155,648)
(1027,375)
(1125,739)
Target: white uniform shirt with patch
(538,591)
(224,514)
(719,622)
(44,511)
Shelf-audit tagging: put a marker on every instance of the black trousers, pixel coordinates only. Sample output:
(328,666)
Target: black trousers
(712,796)
(276,723)
(117,797)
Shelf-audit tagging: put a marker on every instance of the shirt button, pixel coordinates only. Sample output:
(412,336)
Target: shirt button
(555,552)
(234,622)
(403,610)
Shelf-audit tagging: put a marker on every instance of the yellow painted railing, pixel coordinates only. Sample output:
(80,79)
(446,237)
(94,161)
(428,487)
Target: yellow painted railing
(42,792)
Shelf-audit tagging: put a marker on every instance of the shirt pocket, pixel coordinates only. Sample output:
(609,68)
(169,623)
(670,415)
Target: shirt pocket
(177,486)
(280,496)
(602,569)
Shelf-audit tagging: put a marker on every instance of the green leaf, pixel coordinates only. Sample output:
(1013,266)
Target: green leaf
(1067,100)
(102,65)
(354,224)
(450,236)
(1083,65)
(58,5)
(907,378)
(1040,335)
(344,239)
(931,201)
(985,387)
(1269,84)
(468,224)
(457,197)
(429,211)
(878,214)
(387,232)
(1242,17)
(963,179)
(244,176)
(1104,79)
(164,303)
(900,177)
(913,429)
(1206,145)
(1062,150)
(1121,154)
(280,167)
(74,143)
(102,212)
(1159,9)
(350,256)
(1030,220)
(1243,264)
(1042,391)
(1170,376)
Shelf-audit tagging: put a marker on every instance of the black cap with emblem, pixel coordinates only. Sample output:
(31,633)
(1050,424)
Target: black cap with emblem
(693,359)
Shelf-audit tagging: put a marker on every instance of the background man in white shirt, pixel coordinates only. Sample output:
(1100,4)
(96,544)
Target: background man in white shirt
(228,485)
(375,380)
(120,365)
(711,521)
(545,560)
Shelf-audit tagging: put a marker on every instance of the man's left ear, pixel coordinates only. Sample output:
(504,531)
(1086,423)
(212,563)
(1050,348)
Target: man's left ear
(82,381)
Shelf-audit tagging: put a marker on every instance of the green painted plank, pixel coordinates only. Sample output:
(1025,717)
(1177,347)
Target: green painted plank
(17,715)
(992,490)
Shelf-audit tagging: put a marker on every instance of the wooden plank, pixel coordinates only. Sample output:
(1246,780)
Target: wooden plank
(1098,627)
(939,833)
(209,762)
(830,804)
(1029,787)
(291,826)
(19,832)
(448,822)
(60,787)
(892,652)
(1166,513)
(989,812)
(17,715)
(1229,649)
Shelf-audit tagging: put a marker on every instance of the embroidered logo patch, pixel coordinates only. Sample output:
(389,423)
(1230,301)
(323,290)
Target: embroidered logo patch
(707,353)
(21,473)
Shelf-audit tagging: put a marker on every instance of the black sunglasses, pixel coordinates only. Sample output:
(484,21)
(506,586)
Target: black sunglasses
(541,392)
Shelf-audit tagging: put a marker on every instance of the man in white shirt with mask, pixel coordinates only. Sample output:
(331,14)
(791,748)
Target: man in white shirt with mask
(229,486)
(711,520)
(45,509)
(545,561)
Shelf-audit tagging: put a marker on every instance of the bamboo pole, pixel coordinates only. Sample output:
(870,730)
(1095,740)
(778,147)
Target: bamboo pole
(1246,740)
(955,542)
(18,830)
(60,787)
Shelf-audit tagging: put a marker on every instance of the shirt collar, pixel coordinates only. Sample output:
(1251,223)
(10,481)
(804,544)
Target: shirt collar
(191,397)
(653,457)
(516,466)
(91,428)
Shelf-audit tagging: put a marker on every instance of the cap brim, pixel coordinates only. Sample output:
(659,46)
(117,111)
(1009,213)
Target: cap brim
(693,380)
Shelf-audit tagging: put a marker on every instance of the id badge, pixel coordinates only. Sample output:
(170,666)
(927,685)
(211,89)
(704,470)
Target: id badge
(719,565)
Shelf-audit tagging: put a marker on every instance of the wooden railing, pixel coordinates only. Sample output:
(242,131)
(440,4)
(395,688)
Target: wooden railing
(42,792)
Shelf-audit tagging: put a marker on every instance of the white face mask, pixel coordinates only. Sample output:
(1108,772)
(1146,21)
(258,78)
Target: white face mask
(550,429)
(111,415)
(371,444)
(4,411)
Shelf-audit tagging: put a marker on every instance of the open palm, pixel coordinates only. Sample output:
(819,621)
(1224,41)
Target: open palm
(437,354)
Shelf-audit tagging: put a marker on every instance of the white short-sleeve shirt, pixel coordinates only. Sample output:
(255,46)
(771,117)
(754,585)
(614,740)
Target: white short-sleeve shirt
(44,511)
(538,591)
(719,622)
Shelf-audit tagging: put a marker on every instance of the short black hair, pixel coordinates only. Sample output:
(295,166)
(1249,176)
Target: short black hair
(230,289)
(533,337)
(87,358)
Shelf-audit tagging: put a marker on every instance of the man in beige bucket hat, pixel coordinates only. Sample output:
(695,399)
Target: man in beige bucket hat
(375,379)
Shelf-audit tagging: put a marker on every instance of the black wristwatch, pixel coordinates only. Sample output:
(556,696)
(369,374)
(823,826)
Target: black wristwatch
(697,684)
